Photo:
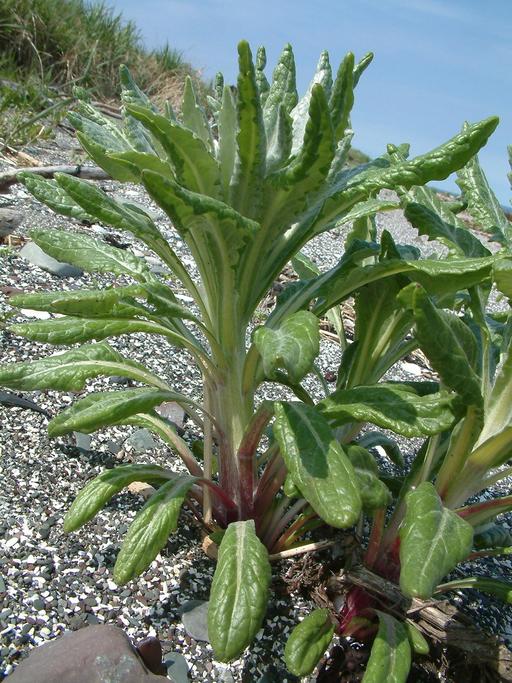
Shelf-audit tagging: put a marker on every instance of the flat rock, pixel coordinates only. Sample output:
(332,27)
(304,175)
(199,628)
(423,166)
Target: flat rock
(94,654)
(195,620)
(177,667)
(141,440)
(10,219)
(35,255)
(172,412)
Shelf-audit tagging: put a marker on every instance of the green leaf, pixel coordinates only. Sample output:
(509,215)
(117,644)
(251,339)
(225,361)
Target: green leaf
(308,642)
(342,96)
(323,76)
(78,330)
(502,275)
(497,587)
(130,91)
(445,229)
(491,536)
(100,490)
(192,116)
(227,138)
(249,171)
(282,95)
(361,66)
(392,449)
(390,658)
(137,162)
(68,371)
(92,303)
(417,641)
(392,406)
(261,79)
(317,463)
(105,408)
(193,165)
(293,346)
(374,493)
(435,165)
(151,528)
(101,155)
(279,141)
(440,344)
(93,256)
(433,540)
(49,192)
(482,204)
(239,592)
(482,512)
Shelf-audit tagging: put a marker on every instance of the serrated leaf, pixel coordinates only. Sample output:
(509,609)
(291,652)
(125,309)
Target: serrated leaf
(137,162)
(317,463)
(438,223)
(193,165)
(279,141)
(151,528)
(293,346)
(239,592)
(192,116)
(249,171)
(90,303)
(482,204)
(308,642)
(68,371)
(390,657)
(130,91)
(282,96)
(374,493)
(433,540)
(101,156)
(49,192)
(392,406)
(105,408)
(102,488)
(441,345)
(261,80)
(323,76)
(92,255)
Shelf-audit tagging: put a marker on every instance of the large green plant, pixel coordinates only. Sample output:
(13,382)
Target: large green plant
(434,525)
(245,190)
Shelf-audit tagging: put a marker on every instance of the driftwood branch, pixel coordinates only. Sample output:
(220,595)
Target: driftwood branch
(437,619)
(8,178)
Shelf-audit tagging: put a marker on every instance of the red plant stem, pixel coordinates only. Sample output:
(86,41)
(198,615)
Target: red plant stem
(227,502)
(247,459)
(276,526)
(379,517)
(471,510)
(271,481)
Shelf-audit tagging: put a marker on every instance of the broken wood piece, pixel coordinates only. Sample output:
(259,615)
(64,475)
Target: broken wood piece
(8,178)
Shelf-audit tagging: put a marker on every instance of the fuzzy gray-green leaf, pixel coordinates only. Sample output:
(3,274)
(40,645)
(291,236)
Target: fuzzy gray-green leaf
(49,192)
(342,96)
(293,346)
(239,592)
(151,528)
(317,463)
(433,540)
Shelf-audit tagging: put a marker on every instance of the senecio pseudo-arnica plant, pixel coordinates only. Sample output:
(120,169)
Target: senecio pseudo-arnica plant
(245,188)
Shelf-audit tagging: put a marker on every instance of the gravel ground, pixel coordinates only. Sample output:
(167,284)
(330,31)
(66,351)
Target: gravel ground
(51,582)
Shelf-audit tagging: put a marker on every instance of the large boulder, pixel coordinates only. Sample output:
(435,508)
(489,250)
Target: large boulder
(95,654)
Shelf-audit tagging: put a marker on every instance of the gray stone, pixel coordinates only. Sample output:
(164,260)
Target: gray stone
(177,667)
(82,441)
(172,412)
(141,440)
(195,621)
(227,677)
(38,604)
(35,255)
(10,219)
(2,585)
(96,654)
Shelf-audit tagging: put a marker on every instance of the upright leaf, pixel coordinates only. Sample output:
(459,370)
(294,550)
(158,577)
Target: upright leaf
(317,463)
(245,193)
(193,116)
(239,592)
(433,540)
(282,93)
(227,138)
(342,96)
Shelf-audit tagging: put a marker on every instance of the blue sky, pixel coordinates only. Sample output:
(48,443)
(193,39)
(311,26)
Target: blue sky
(437,63)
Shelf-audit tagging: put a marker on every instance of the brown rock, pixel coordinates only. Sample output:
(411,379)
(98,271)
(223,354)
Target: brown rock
(95,654)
